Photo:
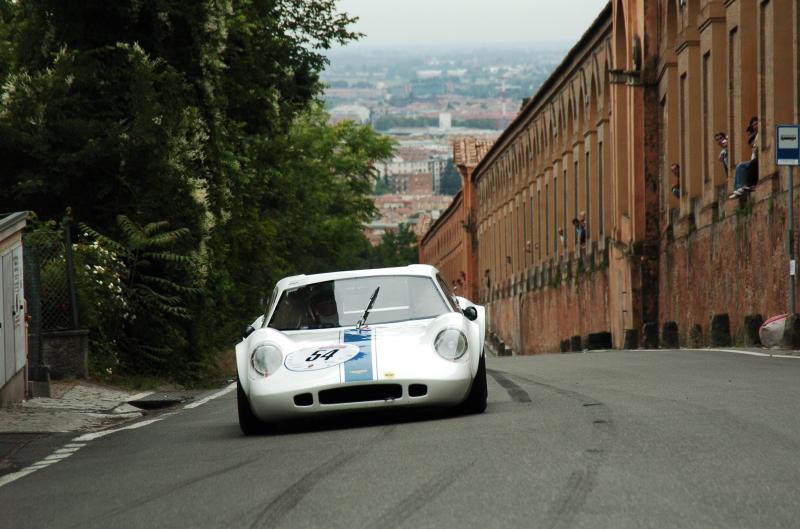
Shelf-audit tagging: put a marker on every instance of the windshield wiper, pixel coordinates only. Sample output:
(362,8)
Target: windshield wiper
(363,321)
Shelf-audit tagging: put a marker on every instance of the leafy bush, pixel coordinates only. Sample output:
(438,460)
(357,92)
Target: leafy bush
(144,282)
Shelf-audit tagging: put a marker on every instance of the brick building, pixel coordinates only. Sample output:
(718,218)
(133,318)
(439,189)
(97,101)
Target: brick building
(411,183)
(645,87)
(451,244)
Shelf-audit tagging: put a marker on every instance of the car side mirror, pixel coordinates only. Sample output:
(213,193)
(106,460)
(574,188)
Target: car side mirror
(471,313)
(247,332)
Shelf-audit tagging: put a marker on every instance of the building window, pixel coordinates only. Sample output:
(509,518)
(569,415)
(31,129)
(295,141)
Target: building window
(684,132)
(705,127)
(586,201)
(555,216)
(600,214)
(547,219)
(564,209)
(575,190)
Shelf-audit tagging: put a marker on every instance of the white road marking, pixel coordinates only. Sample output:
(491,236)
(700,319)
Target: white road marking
(754,353)
(56,457)
(218,394)
(80,441)
(68,450)
(735,351)
(8,478)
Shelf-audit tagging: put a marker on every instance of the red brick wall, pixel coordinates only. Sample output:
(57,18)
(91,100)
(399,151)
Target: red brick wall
(538,319)
(738,266)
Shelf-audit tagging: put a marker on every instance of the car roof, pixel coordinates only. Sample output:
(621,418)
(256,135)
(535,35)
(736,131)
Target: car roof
(410,270)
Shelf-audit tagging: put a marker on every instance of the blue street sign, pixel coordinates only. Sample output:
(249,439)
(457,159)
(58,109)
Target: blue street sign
(788,145)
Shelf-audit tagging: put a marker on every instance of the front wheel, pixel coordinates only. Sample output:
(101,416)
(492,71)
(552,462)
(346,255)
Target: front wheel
(248,422)
(476,400)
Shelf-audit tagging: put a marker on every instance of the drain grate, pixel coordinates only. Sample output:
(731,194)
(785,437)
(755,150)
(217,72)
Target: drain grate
(157,401)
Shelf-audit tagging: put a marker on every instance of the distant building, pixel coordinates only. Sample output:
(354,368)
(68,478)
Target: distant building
(429,74)
(445,121)
(417,212)
(411,183)
(356,113)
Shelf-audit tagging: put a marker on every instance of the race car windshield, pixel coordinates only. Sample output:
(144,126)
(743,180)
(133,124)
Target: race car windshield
(341,303)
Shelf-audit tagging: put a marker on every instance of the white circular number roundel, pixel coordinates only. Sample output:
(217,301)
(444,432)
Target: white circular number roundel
(314,358)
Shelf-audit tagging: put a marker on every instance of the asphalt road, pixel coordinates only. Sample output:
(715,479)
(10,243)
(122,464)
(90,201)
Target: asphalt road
(682,439)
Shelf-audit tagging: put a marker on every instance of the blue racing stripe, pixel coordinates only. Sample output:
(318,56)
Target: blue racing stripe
(359,368)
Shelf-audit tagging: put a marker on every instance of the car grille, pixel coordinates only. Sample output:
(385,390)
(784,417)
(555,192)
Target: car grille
(417,390)
(371,393)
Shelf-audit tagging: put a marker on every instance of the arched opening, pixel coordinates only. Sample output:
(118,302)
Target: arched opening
(620,105)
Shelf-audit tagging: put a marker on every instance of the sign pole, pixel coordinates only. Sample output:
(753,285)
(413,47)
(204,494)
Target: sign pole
(788,153)
(790,235)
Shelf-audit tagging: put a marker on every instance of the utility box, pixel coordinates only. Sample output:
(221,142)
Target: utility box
(13,327)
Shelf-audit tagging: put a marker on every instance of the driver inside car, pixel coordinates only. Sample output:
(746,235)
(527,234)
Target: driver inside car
(324,311)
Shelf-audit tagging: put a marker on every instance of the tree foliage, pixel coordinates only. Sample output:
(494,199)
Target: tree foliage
(155,305)
(396,249)
(450,182)
(200,115)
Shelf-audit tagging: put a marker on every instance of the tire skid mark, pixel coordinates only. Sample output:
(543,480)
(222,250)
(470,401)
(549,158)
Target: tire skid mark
(426,493)
(161,494)
(580,483)
(516,393)
(286,501)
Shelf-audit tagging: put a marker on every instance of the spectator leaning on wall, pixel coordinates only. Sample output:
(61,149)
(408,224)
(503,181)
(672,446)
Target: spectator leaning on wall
(722,140)
(676,187)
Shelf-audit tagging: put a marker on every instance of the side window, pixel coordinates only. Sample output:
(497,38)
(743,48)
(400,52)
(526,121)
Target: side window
(448,294)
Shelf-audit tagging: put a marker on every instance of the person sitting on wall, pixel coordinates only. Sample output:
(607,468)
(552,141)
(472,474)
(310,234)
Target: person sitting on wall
(580,231)
(722,140)
(746,175)
(676,172)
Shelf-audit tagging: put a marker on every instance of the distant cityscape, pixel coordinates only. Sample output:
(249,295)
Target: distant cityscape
(423,98)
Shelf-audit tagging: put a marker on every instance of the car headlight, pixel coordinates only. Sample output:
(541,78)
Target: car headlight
(266,359)
(451,344)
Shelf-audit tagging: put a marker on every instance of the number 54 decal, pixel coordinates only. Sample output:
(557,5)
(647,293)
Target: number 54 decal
(315,358)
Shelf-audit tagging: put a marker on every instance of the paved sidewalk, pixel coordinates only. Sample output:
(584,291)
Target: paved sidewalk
(75,407)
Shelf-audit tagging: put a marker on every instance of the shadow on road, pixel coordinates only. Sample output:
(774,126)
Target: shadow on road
(357,419)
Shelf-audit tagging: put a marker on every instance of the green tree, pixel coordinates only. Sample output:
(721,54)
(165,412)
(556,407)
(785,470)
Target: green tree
(396,249)
(450,182)
(198,113)
(382,186)
(308,217)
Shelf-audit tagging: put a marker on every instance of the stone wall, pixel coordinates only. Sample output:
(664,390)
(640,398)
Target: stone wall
(66,353)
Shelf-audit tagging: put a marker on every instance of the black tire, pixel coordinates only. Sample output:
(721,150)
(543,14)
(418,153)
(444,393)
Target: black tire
(248,422)
(476,400)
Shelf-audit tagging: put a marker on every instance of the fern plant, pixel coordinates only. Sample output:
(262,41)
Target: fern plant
(150,265)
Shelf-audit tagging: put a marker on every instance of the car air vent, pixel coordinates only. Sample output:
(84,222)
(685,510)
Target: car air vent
(417,390)
(303,399)
(370,393)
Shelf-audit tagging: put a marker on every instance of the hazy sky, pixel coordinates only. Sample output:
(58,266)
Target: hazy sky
(413,22)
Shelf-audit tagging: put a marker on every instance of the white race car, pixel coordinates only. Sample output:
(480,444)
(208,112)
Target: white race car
(360,340)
